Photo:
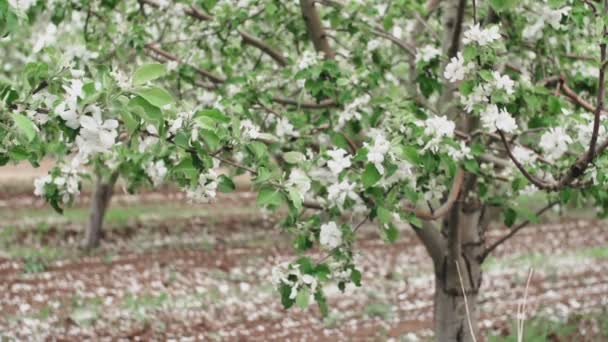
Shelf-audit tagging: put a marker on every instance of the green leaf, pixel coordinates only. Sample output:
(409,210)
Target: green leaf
(302,298)
(370,175)
(285,291)
(391,232)
(157,96)
(294,157)
(211,139)
(25,126)
(355,277)
(296,198)
(471,166)
(270,197)
(384,215)
(510,217)
(213,114)
(146,110)
(225,184)
(321,302)
(129,121)
(148,72)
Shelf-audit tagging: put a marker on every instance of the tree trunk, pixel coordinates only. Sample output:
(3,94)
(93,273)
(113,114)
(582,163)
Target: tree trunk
(100,200)
(453,314)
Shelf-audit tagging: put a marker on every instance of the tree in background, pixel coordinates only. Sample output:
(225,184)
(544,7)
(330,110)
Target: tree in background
(432,113)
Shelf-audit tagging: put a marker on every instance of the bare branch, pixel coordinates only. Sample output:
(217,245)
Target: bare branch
(539,183)
(432,240)
(315,28)
(205,73)
(514,231)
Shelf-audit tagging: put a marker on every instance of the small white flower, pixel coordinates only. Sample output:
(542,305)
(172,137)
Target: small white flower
(122,80)
(206,188)
(299,181)
(524,155)
(337,193)
(96,135)
(285,128)
(555,143)
(156,171)
(308,59)
(479,95)
(494,119)
(351,110)
(438,127)
(40,183)
(456,70)
(427,53)
(330,236)
(482,37)
(340,160)
(250,130)
(503,82)
(377,151)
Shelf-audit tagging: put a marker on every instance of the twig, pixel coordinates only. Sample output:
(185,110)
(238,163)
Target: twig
(514,230)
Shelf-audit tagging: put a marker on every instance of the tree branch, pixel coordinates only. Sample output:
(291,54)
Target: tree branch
(440,212)
(315,28)
(249,39)
(432,240)
(514,230)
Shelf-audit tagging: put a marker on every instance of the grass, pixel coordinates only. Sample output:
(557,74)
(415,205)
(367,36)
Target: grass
(538,260)
(120,215)
(541,329)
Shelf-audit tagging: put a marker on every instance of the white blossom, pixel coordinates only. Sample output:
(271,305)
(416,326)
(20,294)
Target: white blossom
(340,160)
(456,70)
(524,155)
(481,36)
(479,95)
(555,143)
(250,130)
(337,193)
(377,151)
(437,127)
(206,188)
(156,171)
(461,152)
(285,128)
(503,82)
(45,38)
(351,110)
(330,236)
(96,135)
(427,53)
(308,59)
(494,119)
(299,181)
(40,183)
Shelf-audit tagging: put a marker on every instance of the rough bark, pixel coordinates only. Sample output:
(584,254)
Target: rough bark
(453,282)
(451,323)
(100,200)
(316,31)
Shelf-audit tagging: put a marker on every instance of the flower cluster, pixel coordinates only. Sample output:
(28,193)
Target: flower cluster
(206,188)
(62,183)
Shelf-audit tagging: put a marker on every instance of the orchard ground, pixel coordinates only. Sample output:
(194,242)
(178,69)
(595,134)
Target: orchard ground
(169,269)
